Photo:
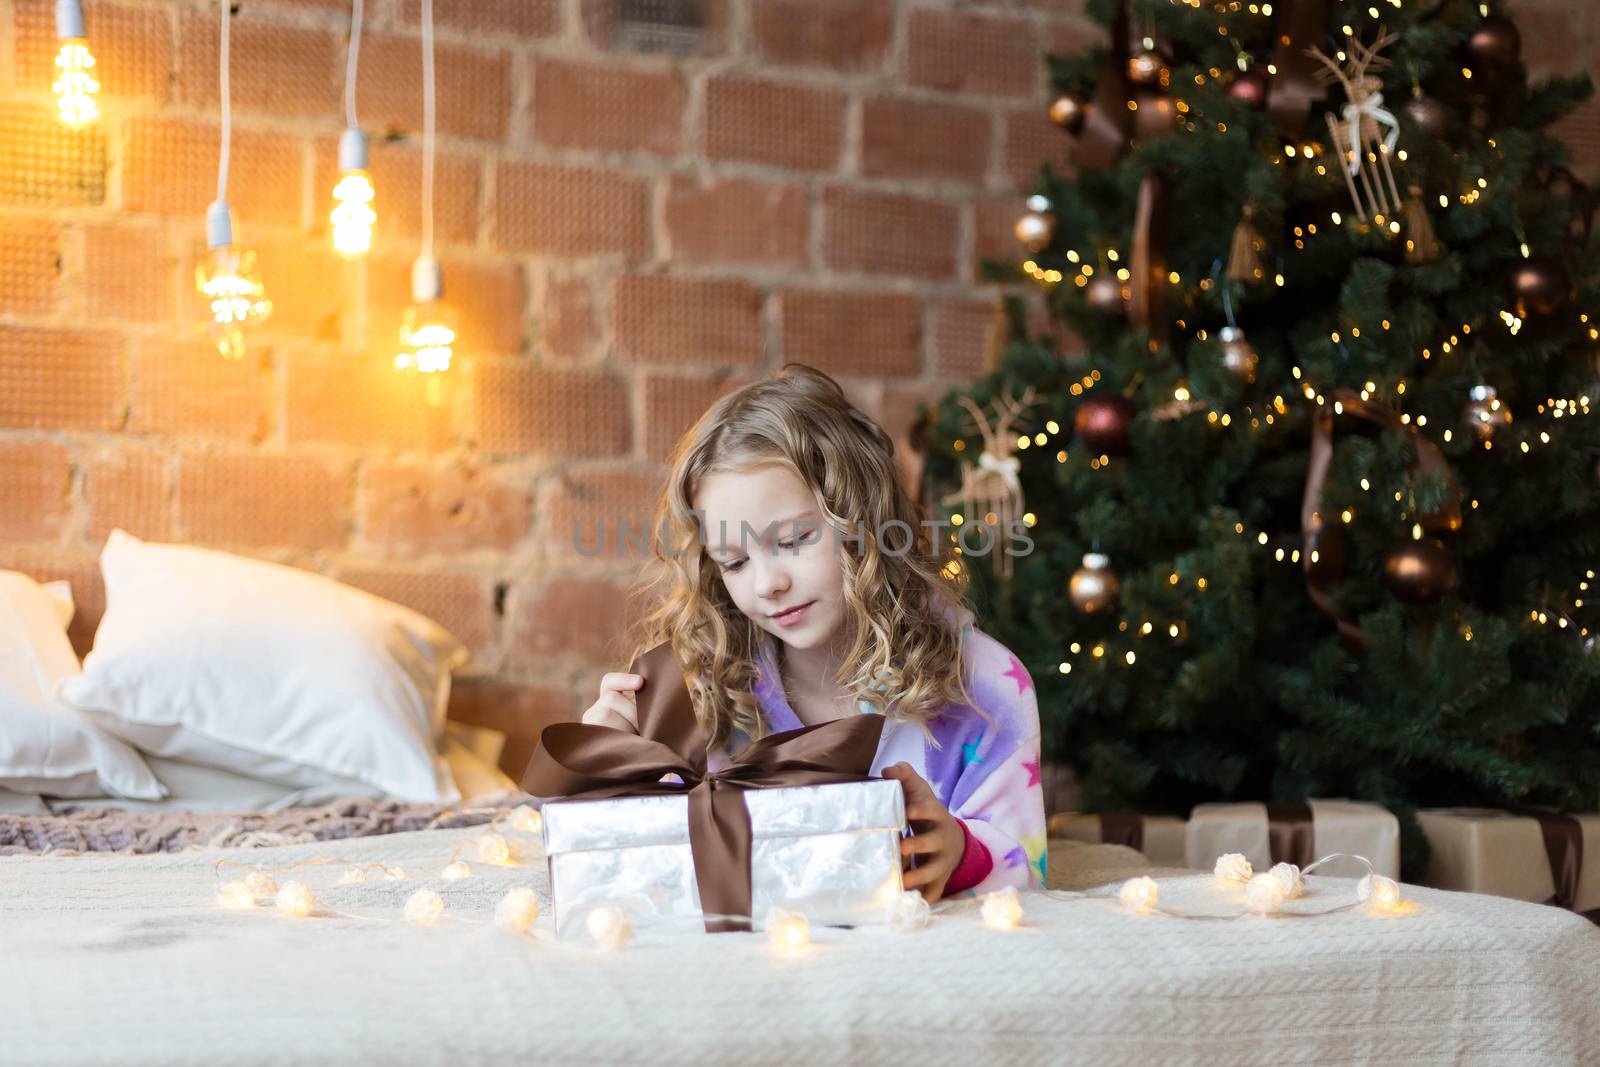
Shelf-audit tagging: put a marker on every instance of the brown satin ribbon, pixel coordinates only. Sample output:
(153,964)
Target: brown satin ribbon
(1563,844)
(1147,305)
(1295,89)
(1122,828)
(582,762)
(1317,530)
(1108,121)
(1290,836)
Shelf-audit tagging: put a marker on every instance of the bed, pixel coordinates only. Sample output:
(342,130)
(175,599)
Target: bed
(115,959)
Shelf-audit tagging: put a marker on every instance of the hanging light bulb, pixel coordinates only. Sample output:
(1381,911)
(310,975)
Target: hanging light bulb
(75,84)
(428,332)
(227,277)
(350,222)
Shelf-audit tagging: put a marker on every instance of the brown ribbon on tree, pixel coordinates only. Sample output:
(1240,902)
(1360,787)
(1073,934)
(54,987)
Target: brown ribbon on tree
(1147,267)
(1322,536)
(577,761)
(1290,834)
(1294,89)
(1563,844)
(1108,122)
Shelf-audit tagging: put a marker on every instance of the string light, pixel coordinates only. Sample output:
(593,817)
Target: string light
(526,819)
(1288,876)
(1380,894)
(295,900)
(1140,896)
(1232,869)
(455,871)
(260,884)
(1263,894)
(517,910)
(424,907)
(235,896)
(75,85)
(234,294)
(492,848)
(1002,910)
(787,928)
(350,223)
(608,926)
(909,911)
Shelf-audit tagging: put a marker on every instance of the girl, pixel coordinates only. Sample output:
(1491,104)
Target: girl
(797,585)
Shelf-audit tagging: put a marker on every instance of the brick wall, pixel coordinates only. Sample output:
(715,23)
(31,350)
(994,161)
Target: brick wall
(627,232)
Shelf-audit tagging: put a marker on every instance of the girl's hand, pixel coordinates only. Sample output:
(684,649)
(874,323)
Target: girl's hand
(937,841)
(616,707)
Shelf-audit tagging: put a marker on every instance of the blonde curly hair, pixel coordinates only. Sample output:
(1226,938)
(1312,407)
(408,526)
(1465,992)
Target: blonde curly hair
(902,609)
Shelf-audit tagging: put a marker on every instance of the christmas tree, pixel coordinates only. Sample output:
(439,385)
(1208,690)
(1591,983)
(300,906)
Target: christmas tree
(1315,511)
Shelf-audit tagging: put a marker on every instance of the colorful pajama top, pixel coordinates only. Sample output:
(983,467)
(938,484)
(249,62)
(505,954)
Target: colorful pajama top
(985,771)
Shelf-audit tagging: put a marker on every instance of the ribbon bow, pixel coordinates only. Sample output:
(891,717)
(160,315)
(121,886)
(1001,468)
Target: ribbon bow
(1006,468)
(1371,107)
(582,762)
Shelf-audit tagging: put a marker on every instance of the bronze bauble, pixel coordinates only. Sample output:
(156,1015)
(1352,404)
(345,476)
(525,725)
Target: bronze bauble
(1105,294)
(1249,87)
(1432,117)
(1495,43)
(1094,587)
(1540,286)
(1238,356)
(1484,414)
(1148,70)
(1067,111)
(1102,423)
(1035,229)
(1420,572)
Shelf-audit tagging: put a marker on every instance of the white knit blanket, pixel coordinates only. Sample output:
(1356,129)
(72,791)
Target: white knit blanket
(127,960)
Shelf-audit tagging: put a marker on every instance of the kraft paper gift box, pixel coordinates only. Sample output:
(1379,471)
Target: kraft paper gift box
(828,852)
(1298,833)
(1527,855)
(1159,837)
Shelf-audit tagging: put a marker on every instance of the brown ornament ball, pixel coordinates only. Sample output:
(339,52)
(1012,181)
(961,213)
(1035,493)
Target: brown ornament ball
(1067,111)
(1106,295)
(1420,572)
(1495,43)
(1483,413)
(1156,116)
(1540,286)
(1036,230)
(1249,87)
(1148,69)
(1432,117)
(1102,423)
(1094,587)
(1239,357)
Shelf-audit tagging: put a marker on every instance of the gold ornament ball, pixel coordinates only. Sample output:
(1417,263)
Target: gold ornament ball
(1432,117)
(1106,295)
(1094,587)
(1148,69)
(1067,111)
(1540,286)
(1484,414)
(1035,230)
(1420,572)
(1238,356)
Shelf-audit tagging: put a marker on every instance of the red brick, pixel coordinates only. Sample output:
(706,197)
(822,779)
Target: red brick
(363,401)
(396,171)
(573,211)
(60,379)
(460,602)
(132,48)
(488,298)
(760,121)
(662,319)
(1580,130)
(607,106)
(569,326)
(261,501)
(451,508)
(128,274)
(674,404)
(170,168)
(1070,37)
(961,337)
(127,488)
(966,53)
(44,164)
(305,279)
(905,138)
(872,334)
(80,569)
(1032,140)
(522,408)
(524,19)
(185,389)
(34,478)
(706,34)
(30,264)
(886,233)
(272,68)
(846,35)
(737,221)
(587,617)
(603,515)
(521,712)
(473,86)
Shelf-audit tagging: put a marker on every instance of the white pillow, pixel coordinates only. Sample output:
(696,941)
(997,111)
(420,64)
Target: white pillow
(268,671)
(46,747)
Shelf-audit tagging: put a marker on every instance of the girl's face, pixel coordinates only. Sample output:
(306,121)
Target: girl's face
(776,554)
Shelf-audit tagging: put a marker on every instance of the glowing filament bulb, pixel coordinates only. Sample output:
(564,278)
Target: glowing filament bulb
(1381,894)
(350,223)
(1003,909)
(227,281)
(75,84)
(428,334)
(786,928)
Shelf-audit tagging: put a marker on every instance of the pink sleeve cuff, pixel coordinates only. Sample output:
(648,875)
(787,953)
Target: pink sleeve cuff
(975,865)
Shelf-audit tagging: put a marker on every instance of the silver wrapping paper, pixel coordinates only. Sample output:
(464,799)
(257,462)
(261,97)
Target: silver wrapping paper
(829,852)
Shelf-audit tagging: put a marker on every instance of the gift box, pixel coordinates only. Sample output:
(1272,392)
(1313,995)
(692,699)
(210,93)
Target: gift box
(1542,856)
(1300,833)
(1159,837)
(829,852)
(793,821)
